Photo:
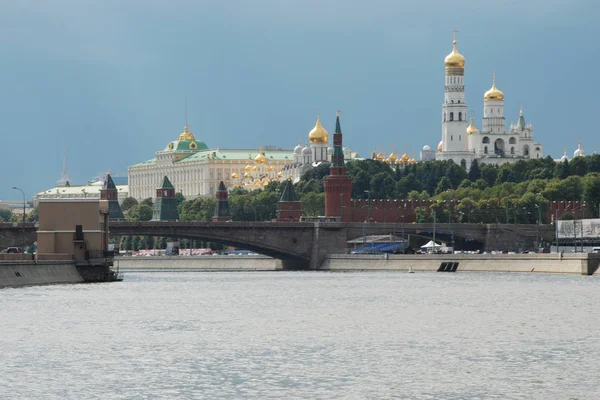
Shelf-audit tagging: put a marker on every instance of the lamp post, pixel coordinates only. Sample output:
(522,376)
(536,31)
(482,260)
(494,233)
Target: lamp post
(433,232)
(23,193)
(537,235)
(368,192)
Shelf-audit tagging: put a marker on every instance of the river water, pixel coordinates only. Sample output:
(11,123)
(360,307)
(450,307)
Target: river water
(304,335)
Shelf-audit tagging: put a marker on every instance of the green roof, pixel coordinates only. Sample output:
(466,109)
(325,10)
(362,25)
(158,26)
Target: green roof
(239,154)
(289,193)
(166,183)
(144,163)
(186,145)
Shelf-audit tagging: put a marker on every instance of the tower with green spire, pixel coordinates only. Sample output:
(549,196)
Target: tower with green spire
(222,207)
(165,206)
(109,192)
(338,185)
(290,207)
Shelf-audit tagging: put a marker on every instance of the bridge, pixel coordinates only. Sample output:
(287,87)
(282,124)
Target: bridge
(305,244)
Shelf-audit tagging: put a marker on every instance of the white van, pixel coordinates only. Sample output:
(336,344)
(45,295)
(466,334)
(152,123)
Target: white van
(595,249)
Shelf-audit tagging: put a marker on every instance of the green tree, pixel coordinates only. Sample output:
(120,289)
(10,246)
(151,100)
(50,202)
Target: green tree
(561,171)
(5,215)
(313,204)
(128,243)
(127,203)
(136,243)
(444,185)
(140,212)
(591,192)
(578,166)
(474,171)
(147,201)
(33,215)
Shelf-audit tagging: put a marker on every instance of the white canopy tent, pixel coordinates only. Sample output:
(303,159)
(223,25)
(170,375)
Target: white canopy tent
(431,245)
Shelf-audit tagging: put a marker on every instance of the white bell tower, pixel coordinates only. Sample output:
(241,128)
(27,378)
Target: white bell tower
(454,109)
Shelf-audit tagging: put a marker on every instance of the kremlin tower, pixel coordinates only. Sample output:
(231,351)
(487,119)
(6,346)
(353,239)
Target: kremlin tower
(338,186)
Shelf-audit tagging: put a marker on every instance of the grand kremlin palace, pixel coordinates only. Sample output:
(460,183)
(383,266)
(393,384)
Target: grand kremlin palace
(195,170)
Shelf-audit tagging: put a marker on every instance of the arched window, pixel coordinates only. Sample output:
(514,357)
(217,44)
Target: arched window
(459,138)
(451,138)
(512,150)
(460,116)
(512,140)
(485,140)
(463,163)
(451,116)
(485,150)
(526,151)
(452,101)
(459,102)
(444,117)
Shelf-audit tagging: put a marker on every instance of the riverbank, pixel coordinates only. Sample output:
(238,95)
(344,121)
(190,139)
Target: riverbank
(207,262)
(577,263)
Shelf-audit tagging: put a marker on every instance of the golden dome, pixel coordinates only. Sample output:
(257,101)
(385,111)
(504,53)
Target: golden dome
(405,157)
(392,158)
(260,158)
(379,157)
(248,167)
(471,128)
(440,145)
(454,59)
(186,135)
(255,168)
(318,134)
(247,175)
(279,174)
(234,175)
(270,168)
(493,93)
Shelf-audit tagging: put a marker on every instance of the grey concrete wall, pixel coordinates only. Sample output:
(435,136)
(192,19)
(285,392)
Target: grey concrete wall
(15,273)
(216,263)
(585,264)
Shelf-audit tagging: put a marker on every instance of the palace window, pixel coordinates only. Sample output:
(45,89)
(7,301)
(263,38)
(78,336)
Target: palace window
(451,116)
(460,115)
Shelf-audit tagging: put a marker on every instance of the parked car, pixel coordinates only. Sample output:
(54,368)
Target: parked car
(11,250)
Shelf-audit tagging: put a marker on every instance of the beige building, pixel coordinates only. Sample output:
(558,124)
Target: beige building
(195,170)
(72,229)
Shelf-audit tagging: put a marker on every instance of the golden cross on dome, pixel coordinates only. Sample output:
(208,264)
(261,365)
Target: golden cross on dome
(455,32)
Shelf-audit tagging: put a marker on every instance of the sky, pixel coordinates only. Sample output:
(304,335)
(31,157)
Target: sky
(107,82)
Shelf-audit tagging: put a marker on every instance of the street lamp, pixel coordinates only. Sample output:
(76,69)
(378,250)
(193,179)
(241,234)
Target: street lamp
(368,192)
(434,231)
(538,225)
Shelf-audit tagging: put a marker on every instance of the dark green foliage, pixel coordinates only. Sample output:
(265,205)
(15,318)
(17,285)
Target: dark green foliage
(128,202)
(5,215)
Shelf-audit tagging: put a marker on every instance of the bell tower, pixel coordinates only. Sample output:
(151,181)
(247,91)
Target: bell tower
(454,109)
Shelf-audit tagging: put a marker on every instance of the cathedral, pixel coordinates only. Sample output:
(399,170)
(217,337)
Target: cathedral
(462,142)
(317,153)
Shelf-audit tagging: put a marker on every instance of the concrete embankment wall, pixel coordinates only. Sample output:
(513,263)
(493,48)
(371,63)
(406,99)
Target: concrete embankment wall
(26,273)
(585,264)
(215,263)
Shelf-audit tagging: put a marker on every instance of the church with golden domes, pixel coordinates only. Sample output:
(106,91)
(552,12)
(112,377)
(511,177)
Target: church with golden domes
(318,151)
(462,142)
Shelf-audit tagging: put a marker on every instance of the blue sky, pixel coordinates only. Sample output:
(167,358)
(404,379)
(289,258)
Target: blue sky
(107,81)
